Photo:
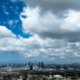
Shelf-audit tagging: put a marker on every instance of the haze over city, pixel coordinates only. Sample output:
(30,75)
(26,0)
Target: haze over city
(40,30)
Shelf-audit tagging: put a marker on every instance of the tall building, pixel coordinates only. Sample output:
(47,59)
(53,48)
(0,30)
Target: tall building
(31,67)
(42,64)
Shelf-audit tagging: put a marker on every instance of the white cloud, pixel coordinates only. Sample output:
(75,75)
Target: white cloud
(4,32)
(72,22)
(48,25)
(10,22)
(6,12)
(36,47)
(54,36)
(33,47)
(37,23)
(4,9)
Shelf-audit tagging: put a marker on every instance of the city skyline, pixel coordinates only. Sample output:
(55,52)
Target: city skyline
(40,31)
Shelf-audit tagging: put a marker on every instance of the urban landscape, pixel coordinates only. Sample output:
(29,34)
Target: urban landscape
(39,71)
(39,39)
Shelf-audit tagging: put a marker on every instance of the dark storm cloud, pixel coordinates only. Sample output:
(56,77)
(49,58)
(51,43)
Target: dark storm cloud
(70,36)
(55,5)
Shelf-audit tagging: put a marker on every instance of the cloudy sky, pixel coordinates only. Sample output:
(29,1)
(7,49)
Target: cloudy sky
(40,30)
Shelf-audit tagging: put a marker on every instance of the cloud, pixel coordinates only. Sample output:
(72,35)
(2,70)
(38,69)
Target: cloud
(54,5)
(10,22)
(55,32)
(4,32)
(37,48)
(5,11)
(50,26)
(57,37)
(9,43)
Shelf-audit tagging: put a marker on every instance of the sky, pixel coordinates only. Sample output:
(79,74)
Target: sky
(40,30)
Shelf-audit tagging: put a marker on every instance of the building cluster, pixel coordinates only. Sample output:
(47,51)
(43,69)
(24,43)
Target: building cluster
(19,67)
(39,71)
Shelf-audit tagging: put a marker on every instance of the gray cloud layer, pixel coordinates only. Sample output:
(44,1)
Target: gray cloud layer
(55,5)
(68,36)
